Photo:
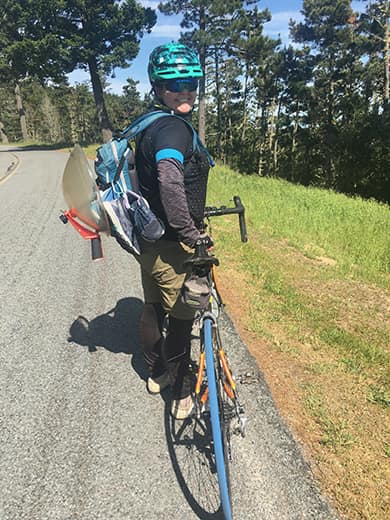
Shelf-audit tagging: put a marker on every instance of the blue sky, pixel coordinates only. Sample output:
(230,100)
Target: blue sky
(168,28)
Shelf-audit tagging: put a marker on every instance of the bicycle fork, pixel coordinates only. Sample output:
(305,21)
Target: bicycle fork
(225,376)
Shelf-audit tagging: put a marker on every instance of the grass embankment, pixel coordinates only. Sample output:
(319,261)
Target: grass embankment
(309,293)
(89,150)
(38,145)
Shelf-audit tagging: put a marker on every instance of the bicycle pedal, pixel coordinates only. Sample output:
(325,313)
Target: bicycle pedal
(248,378)
(241,426)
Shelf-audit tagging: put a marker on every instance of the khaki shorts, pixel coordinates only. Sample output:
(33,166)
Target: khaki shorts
(163,275)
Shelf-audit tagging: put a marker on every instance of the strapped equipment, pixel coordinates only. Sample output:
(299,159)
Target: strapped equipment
(130,215)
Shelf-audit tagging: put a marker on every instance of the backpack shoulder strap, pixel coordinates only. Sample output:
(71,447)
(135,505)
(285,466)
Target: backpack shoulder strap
(136,127)
(142,122)
(196,141)
(120,164)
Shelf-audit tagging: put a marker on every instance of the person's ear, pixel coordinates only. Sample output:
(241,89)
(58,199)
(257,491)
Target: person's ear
(158,90)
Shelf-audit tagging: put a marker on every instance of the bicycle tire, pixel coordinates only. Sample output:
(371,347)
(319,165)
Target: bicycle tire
(224,411)
(216,430)
(225,429)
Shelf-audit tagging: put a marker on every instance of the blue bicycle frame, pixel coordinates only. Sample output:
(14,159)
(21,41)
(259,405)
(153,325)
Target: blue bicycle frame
(215,418)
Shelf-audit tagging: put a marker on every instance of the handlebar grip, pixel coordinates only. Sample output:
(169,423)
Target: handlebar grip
(238,209)
(96,248)
(241,218)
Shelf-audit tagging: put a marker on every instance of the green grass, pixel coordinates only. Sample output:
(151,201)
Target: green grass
(386,449)
(90,150)
(352,231)
(40,145)
(310,296)
(335,434)
(304,319)
(281,218)
(379,395)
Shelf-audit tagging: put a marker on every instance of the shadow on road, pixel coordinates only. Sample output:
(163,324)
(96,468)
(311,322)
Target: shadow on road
(190,449)
(116,330)
(20,147)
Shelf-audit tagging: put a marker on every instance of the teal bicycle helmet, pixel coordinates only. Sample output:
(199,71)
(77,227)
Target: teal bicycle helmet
(173,61)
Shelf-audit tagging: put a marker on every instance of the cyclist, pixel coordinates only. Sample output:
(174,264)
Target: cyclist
(173,178)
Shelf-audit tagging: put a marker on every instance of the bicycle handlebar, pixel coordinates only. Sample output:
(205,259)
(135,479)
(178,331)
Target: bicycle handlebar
(201,259)
(239,209)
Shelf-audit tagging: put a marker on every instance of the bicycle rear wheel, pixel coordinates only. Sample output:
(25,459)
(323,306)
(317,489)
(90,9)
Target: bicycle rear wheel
(217,432)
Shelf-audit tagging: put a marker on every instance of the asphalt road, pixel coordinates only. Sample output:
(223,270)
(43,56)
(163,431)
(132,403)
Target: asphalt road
(80,436)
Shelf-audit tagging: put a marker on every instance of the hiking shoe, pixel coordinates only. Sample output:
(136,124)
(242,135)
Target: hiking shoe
(157,384)
(182,408)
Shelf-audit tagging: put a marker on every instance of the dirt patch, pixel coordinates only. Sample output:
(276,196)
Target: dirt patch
(326,261)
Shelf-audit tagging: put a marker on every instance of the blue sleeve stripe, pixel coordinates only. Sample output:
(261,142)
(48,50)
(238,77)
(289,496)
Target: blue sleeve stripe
(169,153)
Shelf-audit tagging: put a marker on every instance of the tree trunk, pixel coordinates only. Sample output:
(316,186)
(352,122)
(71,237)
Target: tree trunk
(271,132)
(73,123)
(262,141)
(21,112)
(329,164)
(219,104)
(3,135)
(294,143)
(260,165)
(202,83)
(276,138)
(244,103)
(202,112)
(387,59)
(104,121)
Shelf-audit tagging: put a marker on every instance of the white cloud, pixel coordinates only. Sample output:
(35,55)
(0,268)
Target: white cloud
(79,76)
(149,3)
(283,17)
(166,31)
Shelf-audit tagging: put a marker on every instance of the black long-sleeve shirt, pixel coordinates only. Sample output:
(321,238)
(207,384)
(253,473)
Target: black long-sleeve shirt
(172,177)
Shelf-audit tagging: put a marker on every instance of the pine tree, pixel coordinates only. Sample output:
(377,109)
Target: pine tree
(295,75)
(29,47)
(327,31)
(375,25)
(133,104)
(47,38)
(205,21)
(103,35)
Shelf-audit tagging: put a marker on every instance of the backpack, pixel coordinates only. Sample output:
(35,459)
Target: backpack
(114,163)
(108,161)
(129,213)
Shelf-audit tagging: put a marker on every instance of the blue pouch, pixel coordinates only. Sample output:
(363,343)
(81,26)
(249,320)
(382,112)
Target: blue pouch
(146,224)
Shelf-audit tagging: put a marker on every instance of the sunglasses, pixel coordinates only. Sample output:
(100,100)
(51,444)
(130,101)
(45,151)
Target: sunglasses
(179,85)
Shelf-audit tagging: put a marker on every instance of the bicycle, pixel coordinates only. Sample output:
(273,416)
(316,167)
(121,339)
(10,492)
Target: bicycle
(216,393)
